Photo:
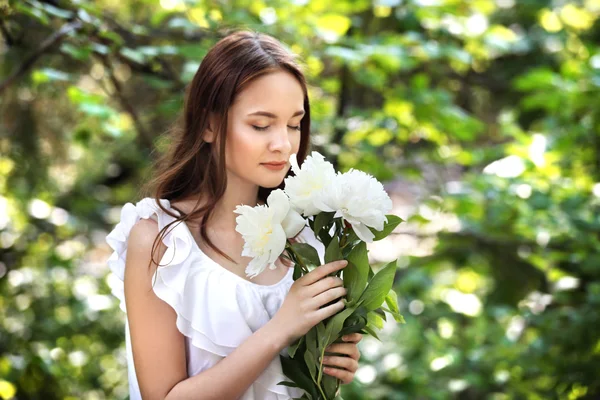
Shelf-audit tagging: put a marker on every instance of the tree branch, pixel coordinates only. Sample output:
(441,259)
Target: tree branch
(7,37)
(144,135)
(54,39)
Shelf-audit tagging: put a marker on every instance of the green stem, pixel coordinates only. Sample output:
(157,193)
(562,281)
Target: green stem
(302,265)
(321,368)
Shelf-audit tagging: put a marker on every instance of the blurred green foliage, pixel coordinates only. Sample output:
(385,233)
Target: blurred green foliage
(490,108)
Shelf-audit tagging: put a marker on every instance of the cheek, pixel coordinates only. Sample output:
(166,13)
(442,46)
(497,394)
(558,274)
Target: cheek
(295,141)
(243,146)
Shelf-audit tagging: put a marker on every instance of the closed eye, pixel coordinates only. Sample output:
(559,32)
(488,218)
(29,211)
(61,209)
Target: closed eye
(264,128)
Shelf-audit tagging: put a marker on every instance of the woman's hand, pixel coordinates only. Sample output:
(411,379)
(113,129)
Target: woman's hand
(305,304)
(343,367)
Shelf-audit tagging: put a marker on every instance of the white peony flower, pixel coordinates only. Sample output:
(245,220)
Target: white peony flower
(265,229)
(304,189)
(358,198)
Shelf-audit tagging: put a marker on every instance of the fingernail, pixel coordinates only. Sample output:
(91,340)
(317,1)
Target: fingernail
(344,338)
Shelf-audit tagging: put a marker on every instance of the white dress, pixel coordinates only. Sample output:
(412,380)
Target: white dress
(216,309)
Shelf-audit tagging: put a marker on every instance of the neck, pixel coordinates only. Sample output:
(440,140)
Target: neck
(238,192)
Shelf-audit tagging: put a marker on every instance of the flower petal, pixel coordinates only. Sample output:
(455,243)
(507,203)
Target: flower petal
(293,223)
(363,232)
(280,204)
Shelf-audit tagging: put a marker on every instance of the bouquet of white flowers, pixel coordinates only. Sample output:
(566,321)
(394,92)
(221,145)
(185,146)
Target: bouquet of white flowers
(345,211)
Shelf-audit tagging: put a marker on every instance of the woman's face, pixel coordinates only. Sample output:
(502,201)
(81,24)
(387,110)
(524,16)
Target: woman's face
(263,126)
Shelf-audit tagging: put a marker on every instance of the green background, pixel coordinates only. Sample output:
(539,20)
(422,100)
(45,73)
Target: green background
(482,117)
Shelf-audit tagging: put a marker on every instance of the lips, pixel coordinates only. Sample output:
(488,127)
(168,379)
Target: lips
(275,166)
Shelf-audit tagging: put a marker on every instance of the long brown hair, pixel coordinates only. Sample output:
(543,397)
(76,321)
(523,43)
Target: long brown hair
(192,167)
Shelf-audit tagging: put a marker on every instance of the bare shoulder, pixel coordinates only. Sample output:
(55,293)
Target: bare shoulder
(158,346)
(142,237)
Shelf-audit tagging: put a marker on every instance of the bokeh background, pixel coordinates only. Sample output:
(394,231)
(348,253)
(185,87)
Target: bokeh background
(482,118)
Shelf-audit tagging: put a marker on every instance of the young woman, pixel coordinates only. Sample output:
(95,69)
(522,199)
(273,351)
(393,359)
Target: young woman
(197,327)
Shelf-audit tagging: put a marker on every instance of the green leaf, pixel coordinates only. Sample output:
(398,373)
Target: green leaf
(397,316)
(320,334)
(311,363)
(311,341)
(78,52)
(287,383)
(392,301)
(356,322)
(332,253)
(371,332)
(322,220)
(392,222)
(113,37)
(33,12)
(308,253)
(334,326)
(374,320)
(356,272)
(57,12)
(330,385)
(325,237)
(297,372)
(297,272)
(379,286)
(292,348)
(133,55)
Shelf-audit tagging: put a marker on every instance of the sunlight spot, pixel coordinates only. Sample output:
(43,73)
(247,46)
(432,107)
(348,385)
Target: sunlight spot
(392,360)
(99,302)
(505,3)
(445,328)
(476,25)
(78,358)
(524,191)
(371,347)
(464,303)
(501,376)
(507,167)
(515,328)
(59,216)
(457,385)
(542,238)
(537,149)
(440,362)
(416,307)
(7,389)
(39,209)
(366,374)
(566,283)
(268,15)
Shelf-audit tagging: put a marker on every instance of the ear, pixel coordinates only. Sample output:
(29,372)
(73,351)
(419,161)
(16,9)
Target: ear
(210,133)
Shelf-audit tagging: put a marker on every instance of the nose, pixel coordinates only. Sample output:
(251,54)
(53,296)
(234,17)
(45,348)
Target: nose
(281,141)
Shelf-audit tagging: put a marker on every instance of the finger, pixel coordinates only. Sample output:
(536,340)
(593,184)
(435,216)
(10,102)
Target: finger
(325,284)
(330,310)
(347,363)
(352,338)
(327,296)
(349,349)
(322,271)
(345,376)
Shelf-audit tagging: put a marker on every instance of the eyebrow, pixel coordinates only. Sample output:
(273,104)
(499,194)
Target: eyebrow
(271,115)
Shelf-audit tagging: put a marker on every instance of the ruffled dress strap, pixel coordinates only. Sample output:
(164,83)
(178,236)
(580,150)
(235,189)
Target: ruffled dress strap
(176,240)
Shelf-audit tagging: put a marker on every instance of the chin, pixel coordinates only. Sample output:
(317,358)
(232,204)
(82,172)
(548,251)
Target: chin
(270,183)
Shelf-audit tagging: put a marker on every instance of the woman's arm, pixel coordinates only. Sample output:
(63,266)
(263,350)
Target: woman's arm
(159,348)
